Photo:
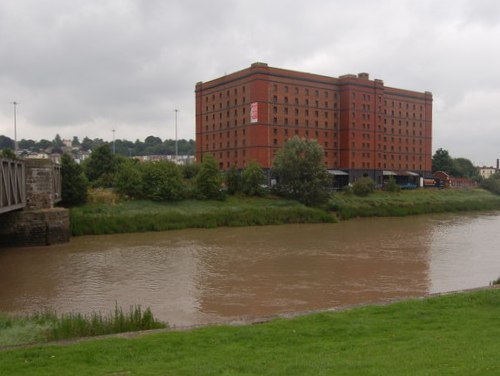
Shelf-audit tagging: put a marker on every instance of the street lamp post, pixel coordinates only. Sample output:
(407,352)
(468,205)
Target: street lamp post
(15,126)
(113,141)
(176,150)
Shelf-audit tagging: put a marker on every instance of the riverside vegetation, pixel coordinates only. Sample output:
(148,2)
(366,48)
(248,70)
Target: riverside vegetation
(109,215)
(49,326)
(156,196)
(452,334)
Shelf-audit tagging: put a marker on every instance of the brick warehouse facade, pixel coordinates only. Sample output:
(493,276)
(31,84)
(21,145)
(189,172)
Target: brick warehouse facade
(364,127)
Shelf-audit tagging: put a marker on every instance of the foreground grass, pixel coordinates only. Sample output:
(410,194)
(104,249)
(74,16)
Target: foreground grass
(48,326)
(456,334)
(412,202)
(140,216)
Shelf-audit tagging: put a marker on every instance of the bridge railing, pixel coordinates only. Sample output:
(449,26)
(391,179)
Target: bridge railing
(57,182)
(12,185)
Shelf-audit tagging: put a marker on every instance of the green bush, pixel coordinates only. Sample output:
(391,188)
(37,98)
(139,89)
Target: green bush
(8,153)
(74,184)
(363,187)
(208,180)
(101,166)
(128,179)
(162,181)
(252,179)
(491,184)
(232,179)
(391,185)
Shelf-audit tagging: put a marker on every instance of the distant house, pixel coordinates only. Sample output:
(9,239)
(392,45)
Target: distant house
(36,155)
(486,172)
(180,160)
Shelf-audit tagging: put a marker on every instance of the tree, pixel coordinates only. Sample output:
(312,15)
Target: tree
(57,142)
(300,172)
(208,180)
(463,167)
(232,179)
(87,144)
(8,153)
(100,167)
(43,144)
(252,179)
(76,141)
(441,161)
(6,142)
(26,144)
(128,179)
(190,170)
(162,181)
(74,183)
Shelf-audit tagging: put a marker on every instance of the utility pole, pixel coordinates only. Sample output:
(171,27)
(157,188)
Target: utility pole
(176,150)
(113,141)
(15,126)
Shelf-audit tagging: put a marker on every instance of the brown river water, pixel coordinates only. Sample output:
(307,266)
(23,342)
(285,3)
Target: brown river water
(202,276)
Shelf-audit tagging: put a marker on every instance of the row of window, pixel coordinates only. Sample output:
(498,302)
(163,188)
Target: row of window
(306,91)
(235,92)
(306,123)
(228,104)
(306,102)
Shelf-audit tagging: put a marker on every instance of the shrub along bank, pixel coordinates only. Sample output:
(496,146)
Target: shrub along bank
(455,334)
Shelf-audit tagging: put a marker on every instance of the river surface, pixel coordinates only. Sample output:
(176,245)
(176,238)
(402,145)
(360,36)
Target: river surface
(204,276)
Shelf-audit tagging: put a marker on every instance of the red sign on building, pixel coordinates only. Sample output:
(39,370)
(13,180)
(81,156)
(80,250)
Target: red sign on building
(254,112)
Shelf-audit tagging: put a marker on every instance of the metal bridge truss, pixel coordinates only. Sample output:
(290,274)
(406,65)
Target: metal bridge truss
(12,185)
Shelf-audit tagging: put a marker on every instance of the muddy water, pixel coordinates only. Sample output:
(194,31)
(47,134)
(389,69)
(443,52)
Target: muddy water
(204,276)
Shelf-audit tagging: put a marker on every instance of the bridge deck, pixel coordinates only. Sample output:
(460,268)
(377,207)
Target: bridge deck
(12,185)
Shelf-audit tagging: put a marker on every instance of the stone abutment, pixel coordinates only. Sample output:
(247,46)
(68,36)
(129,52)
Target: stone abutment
(39,223)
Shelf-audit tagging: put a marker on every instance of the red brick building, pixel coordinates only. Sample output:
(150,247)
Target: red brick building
(364,127)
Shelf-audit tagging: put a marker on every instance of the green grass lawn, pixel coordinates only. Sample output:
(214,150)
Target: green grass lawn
(412,202)
(449,335)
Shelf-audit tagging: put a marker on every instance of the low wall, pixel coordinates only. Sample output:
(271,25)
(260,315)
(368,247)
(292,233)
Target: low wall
(34,227)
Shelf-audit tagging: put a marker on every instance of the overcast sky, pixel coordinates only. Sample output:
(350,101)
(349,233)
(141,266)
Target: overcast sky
(86,67)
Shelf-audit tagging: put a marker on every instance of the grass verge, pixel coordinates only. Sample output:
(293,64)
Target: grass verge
(141,216)
(454,334)
(420,201)
(48,326)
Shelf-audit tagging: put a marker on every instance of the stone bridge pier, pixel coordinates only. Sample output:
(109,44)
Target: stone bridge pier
(39,222)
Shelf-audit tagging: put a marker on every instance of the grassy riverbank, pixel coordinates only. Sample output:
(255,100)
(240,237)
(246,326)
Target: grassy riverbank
(420,201)
(140,216)
(455,334)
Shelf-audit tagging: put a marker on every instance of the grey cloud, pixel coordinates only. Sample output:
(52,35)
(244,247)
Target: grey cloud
(86,66)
